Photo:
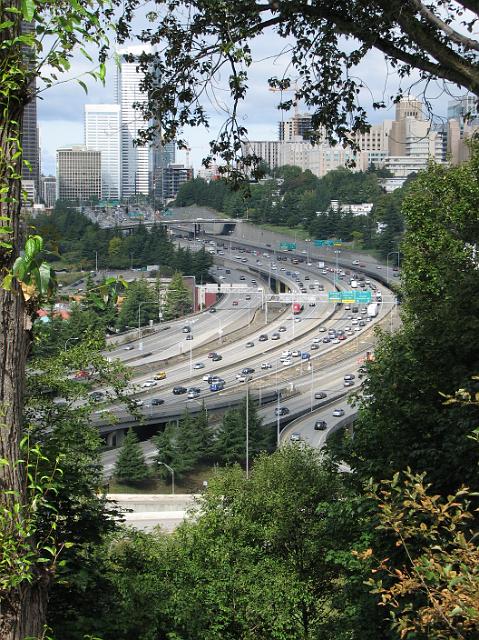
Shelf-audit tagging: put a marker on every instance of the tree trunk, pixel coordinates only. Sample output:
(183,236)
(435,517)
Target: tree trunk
(22,607)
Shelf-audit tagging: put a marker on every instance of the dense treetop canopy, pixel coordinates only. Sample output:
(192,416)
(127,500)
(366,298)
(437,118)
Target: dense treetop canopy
(197,42)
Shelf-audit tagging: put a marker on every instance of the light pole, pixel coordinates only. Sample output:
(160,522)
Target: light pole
(278,417)
(172,476)
(312,383)
(67,341)
(391,253)
(191,361)
(139,316)
(247,431)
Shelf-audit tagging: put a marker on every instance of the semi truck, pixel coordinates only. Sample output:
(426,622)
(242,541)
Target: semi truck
(373,309)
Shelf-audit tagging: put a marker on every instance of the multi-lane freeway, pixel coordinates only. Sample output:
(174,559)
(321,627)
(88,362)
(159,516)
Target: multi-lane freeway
(288,359)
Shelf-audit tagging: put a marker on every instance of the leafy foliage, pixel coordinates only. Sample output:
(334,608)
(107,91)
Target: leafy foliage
(178,299)
(435,593)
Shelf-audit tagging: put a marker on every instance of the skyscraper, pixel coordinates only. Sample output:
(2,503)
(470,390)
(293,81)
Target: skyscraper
(102,133)
(29,134)
(78,174)
(136,162)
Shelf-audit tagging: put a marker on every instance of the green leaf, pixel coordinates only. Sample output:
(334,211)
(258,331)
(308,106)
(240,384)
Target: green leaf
(7,282)
(28,9)
(83,86)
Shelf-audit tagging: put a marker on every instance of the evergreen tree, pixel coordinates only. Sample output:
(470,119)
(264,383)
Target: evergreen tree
(178,300)
(130,466)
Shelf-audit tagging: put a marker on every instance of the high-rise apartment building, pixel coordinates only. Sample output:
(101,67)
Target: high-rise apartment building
(299,126)
(462,107)
(102,133)
(78,174)
(136,161)
(48,190)
(174,175)
(374,145)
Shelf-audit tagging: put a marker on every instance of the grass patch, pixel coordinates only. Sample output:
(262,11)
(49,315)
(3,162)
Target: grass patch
(68,277)
(191,483)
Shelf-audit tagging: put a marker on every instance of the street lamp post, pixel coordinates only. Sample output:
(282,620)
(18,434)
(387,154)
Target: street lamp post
(278,417)
(247,431)
(172,476)
(391,253)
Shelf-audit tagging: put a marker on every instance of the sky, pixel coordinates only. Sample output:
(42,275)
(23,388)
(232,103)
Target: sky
(60,108)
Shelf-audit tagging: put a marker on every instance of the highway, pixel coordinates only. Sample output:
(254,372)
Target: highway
(297,379)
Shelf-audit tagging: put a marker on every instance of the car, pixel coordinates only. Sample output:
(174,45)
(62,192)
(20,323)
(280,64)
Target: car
(362,323)
(212,310)
(241,377)
(378,267)
(136,402)
(216,357)
(295,437)
(320,425)
(161,375)
(217,379)
(189,336)
(286,354)
(242,278)
(193,392)
(266,365)
(335,341)
(249,344)
(281,411)
(263,337)
(282,328)
(155,402)
(207,378)
(212,354)
(320,395)
(235,303)
(312,303)
(186,329)
(314,346)
(354,321)
(296,353)
(275,336)
(305,355)
(342,337)
(348,383)
(177,391)
(337,413)
(248,297)
(326,340)
(128,347)
(349,376)
(316,340)
(286,361)
(199,365)
(217,386)
(149,383)
(297,319)
(355,261)
(247,370)
(322,329)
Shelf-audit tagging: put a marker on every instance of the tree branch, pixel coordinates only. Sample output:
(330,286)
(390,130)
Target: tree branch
(451,33)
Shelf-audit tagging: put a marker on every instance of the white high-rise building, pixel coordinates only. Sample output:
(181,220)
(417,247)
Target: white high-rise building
(136,162)
(102,133)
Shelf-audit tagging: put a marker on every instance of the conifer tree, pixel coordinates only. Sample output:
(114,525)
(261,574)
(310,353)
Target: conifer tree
(130,466)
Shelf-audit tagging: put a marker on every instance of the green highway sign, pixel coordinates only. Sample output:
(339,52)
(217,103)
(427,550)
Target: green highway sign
(167,212)
(287,246)
(327,243)
(363,297)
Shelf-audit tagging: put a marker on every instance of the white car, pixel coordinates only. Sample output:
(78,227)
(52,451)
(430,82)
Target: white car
(354,321)
(149,383)
(316,340)
(241,377)
(199,365)
(336,341)
(296,353)
(297,319)
(266,365)
(322,329)
(337,413)
(286,361)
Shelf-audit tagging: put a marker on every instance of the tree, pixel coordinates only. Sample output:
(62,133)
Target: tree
(434,592)
(130,466)
(412,35)
(177,299)
(230,442)
(139,307)
(406,423)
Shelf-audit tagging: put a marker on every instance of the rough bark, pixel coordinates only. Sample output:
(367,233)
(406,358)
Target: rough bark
(22,609)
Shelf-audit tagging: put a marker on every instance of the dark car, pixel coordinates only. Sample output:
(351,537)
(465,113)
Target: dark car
(177,391)
(348,377)
(216,357)
(319,395)
(155,402)
(212,310)
(247,370)
(320,425)
(189,337)
(325,340)
(263,337)
(281,411)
